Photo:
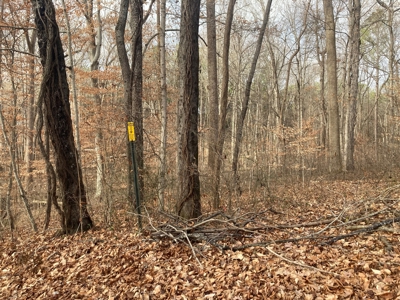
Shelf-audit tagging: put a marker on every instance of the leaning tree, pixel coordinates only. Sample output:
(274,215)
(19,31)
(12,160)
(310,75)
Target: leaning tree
(54,96)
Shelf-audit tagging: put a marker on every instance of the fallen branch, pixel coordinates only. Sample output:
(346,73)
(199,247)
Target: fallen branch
(367,229)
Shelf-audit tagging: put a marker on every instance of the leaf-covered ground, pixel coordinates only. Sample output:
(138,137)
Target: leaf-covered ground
(120,264)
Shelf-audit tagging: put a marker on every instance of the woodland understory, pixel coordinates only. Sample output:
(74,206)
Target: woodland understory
(326,239)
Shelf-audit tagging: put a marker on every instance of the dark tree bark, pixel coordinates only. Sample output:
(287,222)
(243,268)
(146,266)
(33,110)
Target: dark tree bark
(189,205)
(54,92)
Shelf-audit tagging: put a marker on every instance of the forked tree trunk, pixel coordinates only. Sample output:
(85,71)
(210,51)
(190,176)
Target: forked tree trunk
(188,205)
(54,92)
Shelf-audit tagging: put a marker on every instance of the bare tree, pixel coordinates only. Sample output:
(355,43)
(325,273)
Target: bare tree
(354,63)
(164,119)
(331,89)
(132,75)
(212,82)
(95,29)
(391,10)
(246,99)
(224,104)
(189,205)
(54,92)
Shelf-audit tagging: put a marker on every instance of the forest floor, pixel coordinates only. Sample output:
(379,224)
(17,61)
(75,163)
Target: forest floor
(324,240)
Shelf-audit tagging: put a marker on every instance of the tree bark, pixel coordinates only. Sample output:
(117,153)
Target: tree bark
(354,63)
(54,92)
(132,78)
(212,83)
(31,112)
(189,205)
(164,118)
(73,81)
(334,154)
(224,105)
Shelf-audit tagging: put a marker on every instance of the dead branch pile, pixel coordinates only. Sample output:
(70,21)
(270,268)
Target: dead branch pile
(239,231)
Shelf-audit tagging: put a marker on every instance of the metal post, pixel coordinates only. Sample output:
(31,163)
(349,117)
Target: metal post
(132,138)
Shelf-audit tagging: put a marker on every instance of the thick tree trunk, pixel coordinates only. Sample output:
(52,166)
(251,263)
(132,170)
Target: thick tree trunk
(334,155)
(188,205)
(54,92)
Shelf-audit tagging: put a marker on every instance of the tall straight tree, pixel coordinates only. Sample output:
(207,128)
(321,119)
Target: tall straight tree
(212,82)
(188,205)
(54,92)
(94,27)
(164,118)
(391,10)
(246,99)
(224,104)
(334,156)
(353,70)
(132,75)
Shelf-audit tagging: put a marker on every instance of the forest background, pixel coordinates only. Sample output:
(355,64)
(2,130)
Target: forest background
(286,126)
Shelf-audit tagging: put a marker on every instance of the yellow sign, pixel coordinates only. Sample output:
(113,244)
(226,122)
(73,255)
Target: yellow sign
(131,132)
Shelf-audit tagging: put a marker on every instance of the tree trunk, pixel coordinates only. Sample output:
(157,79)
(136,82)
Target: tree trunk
(392,61)
(132,79)
(212,83)
(54,92)
(136,24)
(31,41)
(331,89)
(224,105)
(246,99)
(189,205)
(164,119)
(73,81)
(94,26)
(354,63)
